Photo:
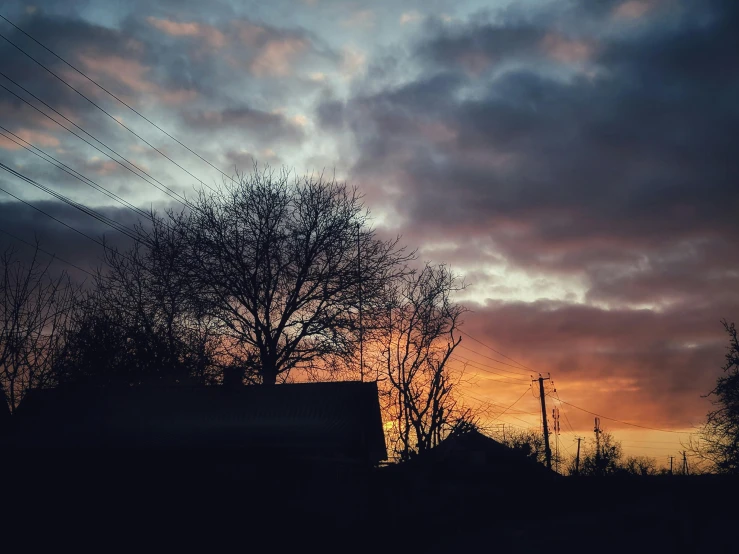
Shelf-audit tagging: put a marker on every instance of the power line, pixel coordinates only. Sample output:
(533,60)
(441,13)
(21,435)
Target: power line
(23,177)
(168,191)
(491,348)
(81,207)
(496,404)
(636,446)
(36,151)
(567,419)
(511,406)
(490,358)
(518,375)
(655,442)
(52,217)
(130,233)
(624,422)
(101,87)
(512,379)
(46,252)
(105,111)
(491,405)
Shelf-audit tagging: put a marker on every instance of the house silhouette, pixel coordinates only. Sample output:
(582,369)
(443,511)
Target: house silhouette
(241,459)
(336,422)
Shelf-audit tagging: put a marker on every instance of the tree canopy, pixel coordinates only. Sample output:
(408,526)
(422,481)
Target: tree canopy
(719,436)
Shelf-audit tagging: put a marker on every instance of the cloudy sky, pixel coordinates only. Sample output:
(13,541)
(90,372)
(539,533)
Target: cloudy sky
(576,160)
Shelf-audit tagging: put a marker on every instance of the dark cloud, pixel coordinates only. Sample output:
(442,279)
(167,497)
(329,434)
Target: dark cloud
(628,155)
(215,79)
(586,142)
(32,226)
(270,126)
(577,141)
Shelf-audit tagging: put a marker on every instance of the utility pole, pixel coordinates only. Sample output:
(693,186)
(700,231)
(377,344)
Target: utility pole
(389,335)
(555,425)
(685,464)
(597,430)
(547,450)
(361,330)
(577,459)
(671,457)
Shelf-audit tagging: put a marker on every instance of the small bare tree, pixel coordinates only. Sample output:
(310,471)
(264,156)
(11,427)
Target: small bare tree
(422,333)
(603,461)
(34,310)
(642,466)
(529,443)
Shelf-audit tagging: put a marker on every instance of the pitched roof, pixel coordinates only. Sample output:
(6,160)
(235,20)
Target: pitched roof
(324,419)
(463,453)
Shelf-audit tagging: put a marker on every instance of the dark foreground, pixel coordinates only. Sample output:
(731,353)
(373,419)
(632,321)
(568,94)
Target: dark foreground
(147,501)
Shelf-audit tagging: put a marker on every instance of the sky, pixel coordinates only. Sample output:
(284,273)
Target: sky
(575,160)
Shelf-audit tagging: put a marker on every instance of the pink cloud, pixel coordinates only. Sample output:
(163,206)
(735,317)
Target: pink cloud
(474,62)
(632,9)
(566,50)
(360,19)
(126,71)
(642,366)
(249,33)
(132,74)
(38,138)
(276,57)
(104,167)
(8,144)
(210,35)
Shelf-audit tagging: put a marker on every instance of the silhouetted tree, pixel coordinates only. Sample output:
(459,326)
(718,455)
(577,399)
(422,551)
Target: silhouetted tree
(282,267)
(140,323)
(530,443)
(603,461)
(718,442)
(34,309)
(643,466)
(422,333)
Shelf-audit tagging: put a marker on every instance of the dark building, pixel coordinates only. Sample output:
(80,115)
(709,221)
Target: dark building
(338,422)
(299,455)
(460,472)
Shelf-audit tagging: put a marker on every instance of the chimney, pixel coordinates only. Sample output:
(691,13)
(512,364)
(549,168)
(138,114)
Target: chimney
(233,377)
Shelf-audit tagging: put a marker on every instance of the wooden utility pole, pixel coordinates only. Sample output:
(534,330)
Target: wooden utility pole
(361,330)
(556,430)
(577,459)
(671,457)
(547,450)
(597,430)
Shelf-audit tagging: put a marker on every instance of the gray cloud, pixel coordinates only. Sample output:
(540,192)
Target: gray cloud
(270,126)
(629,156)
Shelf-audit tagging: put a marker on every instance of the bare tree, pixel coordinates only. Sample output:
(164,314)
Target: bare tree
(642,466)
(140,323)
(283,266)
(34,310)
(530,443)
(422,333)
(603,461)
(717,445)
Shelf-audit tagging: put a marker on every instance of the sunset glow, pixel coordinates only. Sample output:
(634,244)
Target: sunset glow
(573,161)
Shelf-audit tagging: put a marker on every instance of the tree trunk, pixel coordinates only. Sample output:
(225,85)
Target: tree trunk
(269,377)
